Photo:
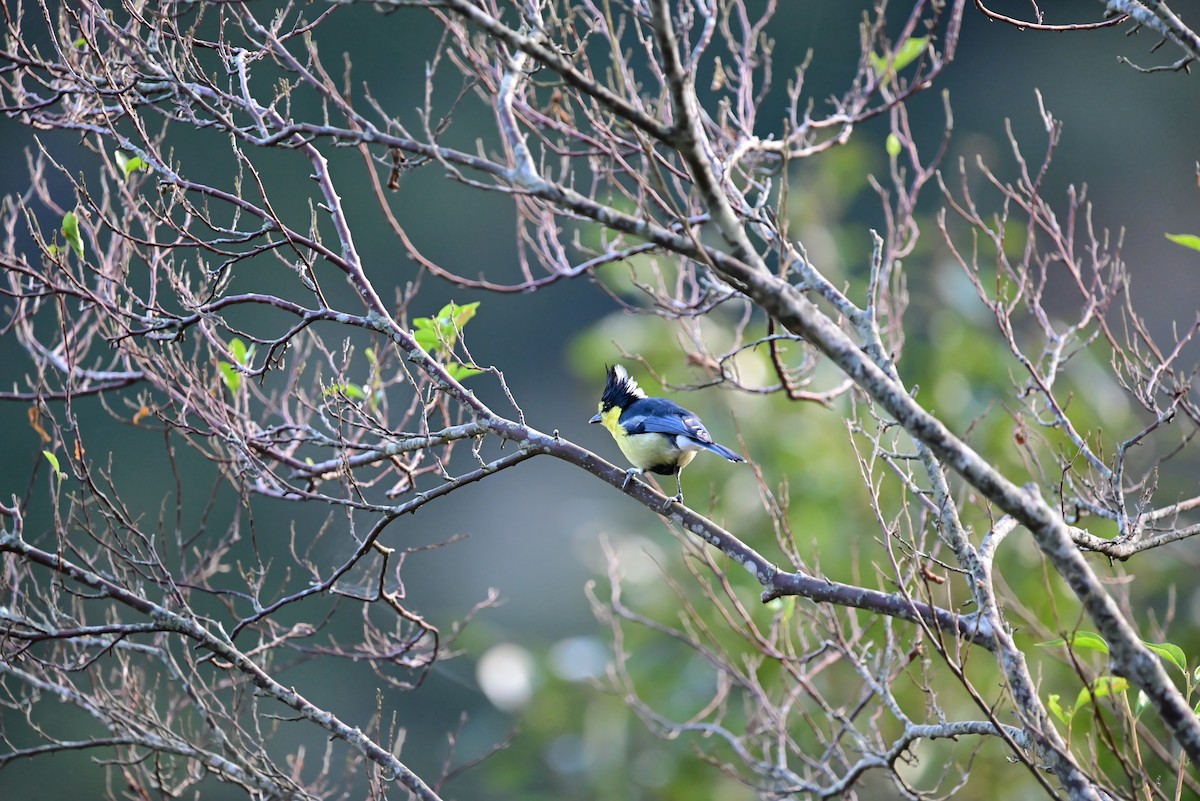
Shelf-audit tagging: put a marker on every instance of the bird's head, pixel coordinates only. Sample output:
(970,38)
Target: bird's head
(620,391)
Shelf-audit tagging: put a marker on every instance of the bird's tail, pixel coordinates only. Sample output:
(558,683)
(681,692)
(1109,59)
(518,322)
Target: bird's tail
(721,450)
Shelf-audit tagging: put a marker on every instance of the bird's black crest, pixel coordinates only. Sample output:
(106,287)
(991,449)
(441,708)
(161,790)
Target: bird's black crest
(620,390)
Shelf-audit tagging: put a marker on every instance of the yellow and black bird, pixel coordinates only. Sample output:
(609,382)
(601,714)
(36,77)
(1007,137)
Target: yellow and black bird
(655,434)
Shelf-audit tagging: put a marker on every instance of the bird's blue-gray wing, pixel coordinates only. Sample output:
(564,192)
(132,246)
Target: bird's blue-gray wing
(662,416)
(667,417)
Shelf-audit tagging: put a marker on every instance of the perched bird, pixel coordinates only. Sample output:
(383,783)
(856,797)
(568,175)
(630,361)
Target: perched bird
(655,434)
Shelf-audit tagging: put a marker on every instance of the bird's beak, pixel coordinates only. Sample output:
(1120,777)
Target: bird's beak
(595,419)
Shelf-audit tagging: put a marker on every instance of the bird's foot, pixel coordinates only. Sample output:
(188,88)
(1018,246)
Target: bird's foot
(629,474)
(672,500)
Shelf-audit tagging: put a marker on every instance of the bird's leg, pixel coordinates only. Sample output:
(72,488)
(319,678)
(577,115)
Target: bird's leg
(629,474)
(678,493)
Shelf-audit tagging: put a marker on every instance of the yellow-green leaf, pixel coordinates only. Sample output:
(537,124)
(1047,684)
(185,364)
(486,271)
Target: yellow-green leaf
(1170,652)
(1187,240)
(230,375)
(1102,687)
(1056,709)
(70,232)
(893,145)
(129,165)
(1105,686)
(1081,639)
(910,51)
(441,332)
(351,391)
(53,460)
(461,371)
(238,348)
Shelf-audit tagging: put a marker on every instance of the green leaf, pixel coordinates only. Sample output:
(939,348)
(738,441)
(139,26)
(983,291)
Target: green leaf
(451,320)
(242,356)
(1105,686)
(1102,687)
(80,42)
(232,378)
(425,334)
(878,62)
(440,333)
(238,348)
(1057,710)
(910,51)
(129,165)
(1082,699)
(461,371)
(53,460)
(463,314)
(1187,240)
(1081,639)
(1170,652)
(351,391)
(70,232)
(893,145)
(1140,704)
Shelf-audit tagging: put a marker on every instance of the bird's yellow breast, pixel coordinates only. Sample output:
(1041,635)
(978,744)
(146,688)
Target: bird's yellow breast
(655,452)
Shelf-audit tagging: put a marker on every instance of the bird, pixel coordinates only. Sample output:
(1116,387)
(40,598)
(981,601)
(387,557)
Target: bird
(655,434)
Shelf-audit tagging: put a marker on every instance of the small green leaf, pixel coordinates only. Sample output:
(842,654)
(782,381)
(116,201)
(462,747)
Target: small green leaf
(351,391)
(1140,704)
(1081,639)
(1102,687)
(130,165)
(80,42)
(440,333)
(1170,652)
(463,314)
(893,145)
(232,378)
(878,62)
(461,371)
(1187,240)
(53,460)
(238,348)
(910,51)
(425,333)
(1105,686)
(1057,710)
(70,232)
